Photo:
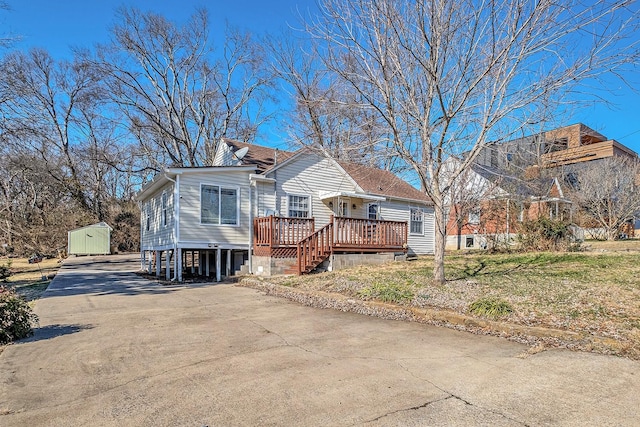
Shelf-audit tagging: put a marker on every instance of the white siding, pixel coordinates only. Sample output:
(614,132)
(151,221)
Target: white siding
(159,234)
(312,175)
(265,198)
(397,210)
(309,175)
(191,230)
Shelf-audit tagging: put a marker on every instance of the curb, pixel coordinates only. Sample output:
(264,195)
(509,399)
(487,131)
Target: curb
(531,335)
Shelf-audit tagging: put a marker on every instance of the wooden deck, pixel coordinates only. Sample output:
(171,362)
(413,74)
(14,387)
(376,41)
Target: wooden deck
(280,237)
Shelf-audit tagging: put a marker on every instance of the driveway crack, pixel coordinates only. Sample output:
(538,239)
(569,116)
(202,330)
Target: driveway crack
(317,353)
(449,396)
(413,408)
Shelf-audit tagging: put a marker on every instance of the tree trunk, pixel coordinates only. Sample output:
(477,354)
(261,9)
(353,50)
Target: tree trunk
(439,244)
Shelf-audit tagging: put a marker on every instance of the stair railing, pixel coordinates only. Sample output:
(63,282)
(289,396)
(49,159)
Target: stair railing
(315,248)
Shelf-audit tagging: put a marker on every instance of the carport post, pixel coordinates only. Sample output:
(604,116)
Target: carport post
(199,263)
(158,262)
(168,266)
(207,268)
(179,265)
(150,255)
(228,269)
(218,264)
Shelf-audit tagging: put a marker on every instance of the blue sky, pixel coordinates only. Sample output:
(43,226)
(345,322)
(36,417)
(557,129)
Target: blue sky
(59,25)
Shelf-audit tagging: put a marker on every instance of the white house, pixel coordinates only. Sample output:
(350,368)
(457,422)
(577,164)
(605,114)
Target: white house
(276,211)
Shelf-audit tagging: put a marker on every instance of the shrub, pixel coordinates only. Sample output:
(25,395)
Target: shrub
(490,307)
(5,270)
(545,234)
(16,317)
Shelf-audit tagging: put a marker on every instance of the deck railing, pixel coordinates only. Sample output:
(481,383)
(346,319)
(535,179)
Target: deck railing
(348,234)
(371,234)
(276,232)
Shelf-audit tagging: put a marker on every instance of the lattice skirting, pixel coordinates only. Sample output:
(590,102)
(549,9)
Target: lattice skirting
(276,252)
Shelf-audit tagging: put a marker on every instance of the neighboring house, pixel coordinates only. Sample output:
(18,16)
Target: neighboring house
(578,144)
(489,207)
(274,212)
(569,145)
(505,185)
(93,239)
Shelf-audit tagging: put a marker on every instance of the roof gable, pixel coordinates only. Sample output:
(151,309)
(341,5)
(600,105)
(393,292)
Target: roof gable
(555,190)
(101,224)
(367,179)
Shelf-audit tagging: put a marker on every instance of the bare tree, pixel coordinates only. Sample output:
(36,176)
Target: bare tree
(63,155)
(608,193)
(446,77)
(179,101)
(6,40)
(55,111)
(326,109)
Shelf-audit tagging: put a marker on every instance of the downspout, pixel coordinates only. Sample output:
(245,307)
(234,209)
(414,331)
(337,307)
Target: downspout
(143,224)
(176,205)
(251,216)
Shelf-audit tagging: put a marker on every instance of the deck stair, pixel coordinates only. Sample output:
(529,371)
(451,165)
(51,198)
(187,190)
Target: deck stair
(314,249)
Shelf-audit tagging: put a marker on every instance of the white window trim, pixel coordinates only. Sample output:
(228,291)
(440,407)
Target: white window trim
(377,210)
(473,242)
(308,196)
(164,208)
(225,187)
(413,233)
(476,213)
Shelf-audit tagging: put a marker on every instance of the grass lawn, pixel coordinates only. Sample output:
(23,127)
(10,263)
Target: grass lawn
(27,279)
(595,293)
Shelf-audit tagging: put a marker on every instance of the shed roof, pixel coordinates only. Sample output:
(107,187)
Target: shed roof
(101,224)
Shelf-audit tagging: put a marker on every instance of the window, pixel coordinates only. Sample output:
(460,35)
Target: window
(373,211)
(521,213)
(571,178)
(474,216)
(298,206)
(416,224)
(469,242)
(164,209)
(218,206)
(494,158)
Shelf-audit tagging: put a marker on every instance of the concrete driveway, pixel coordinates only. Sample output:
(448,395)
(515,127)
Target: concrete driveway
(114,349)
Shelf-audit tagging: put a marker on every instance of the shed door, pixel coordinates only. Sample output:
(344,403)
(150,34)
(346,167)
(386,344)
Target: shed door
(97,240)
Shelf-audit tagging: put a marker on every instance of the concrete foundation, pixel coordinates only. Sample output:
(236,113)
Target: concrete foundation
(268,266)
(342,261)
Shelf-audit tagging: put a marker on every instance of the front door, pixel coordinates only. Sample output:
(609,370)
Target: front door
(343,207)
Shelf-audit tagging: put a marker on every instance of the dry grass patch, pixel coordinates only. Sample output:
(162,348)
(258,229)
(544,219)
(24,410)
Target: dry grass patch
(594,294)
(30,280)
(626,245)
